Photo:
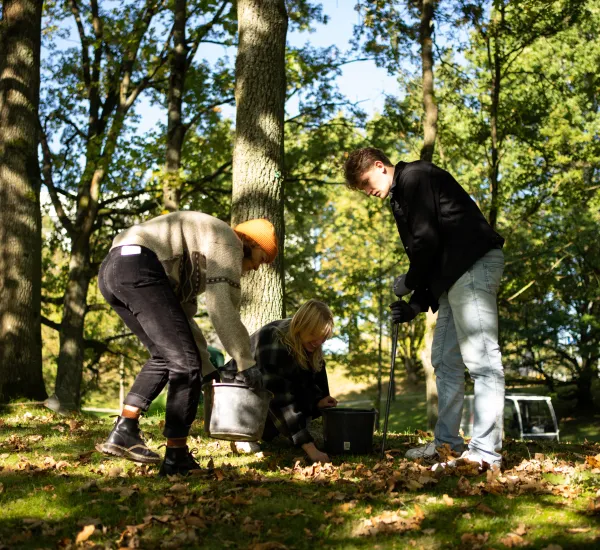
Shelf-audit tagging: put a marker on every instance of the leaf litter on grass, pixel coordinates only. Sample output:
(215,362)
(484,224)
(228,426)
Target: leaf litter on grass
(369,498)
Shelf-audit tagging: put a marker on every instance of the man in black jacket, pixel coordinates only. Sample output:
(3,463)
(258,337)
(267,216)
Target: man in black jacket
(456,263)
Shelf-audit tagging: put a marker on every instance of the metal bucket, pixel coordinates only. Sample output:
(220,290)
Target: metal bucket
(234,412)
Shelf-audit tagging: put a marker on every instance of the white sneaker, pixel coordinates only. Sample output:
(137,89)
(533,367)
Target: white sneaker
(245,447)
(428,452)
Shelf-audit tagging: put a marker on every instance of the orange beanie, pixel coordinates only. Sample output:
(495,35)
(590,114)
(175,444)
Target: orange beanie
(263,233)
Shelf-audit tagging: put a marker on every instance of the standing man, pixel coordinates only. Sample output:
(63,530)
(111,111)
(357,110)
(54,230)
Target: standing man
(456,263)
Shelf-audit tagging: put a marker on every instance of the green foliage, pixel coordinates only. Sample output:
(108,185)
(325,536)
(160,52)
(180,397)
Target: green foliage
(340,246)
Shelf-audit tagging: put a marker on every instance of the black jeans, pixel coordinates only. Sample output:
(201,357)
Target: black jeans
(137,288)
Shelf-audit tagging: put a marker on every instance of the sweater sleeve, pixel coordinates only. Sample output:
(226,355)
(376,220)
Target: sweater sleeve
(190,309)
(223,296)
(423,224)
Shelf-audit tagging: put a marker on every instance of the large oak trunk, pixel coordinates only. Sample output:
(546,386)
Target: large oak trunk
(175,127)
(20,221)
(258,153)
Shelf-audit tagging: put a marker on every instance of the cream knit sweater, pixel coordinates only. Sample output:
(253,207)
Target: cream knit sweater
(200,253)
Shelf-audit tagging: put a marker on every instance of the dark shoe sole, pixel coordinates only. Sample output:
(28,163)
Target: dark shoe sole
(121,452)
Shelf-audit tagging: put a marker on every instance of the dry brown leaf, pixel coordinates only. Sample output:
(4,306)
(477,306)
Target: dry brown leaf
(346,506)
(474,540)
(85,534)
(195,522)
(513,540)
(521,529)
(1,487)
(115,471)
(575,530)
(337,520)
(594,505)
(593,461)
(252,526)
(485,509)
(178,488)
(448,501)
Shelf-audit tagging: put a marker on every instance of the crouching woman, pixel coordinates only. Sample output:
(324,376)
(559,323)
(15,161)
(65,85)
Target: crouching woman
(289,353)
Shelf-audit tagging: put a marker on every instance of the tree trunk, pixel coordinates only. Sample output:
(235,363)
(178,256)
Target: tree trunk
(429,137)
(20,222)
(71,354)
(430,385)
(494,109)
(67,393)
(429,104)
(585,401)
(258,152)
(175,127)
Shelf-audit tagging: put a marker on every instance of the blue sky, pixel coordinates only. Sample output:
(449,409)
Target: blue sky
(362,81)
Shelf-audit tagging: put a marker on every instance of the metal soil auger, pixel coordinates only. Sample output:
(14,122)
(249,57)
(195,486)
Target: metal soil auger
(390,388)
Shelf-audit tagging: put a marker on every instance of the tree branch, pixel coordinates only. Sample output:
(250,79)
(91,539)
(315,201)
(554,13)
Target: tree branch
(203,32)
(51,324)
(85,54)
(48,181)
(195,118)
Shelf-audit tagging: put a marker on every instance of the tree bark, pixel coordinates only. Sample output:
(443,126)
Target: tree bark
(258,152)
(20,222)
(175,127)
(429,104)
(430,385)
(494,58)
(429,137)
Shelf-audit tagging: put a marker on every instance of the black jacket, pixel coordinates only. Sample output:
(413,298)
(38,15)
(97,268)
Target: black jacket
(443,231)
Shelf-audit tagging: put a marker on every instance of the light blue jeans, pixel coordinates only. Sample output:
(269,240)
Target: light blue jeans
(466,335)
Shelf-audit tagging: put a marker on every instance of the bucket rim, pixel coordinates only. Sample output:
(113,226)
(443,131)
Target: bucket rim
(237,386)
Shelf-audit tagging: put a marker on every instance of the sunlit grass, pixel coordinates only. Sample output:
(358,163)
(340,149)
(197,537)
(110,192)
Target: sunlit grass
(39,509)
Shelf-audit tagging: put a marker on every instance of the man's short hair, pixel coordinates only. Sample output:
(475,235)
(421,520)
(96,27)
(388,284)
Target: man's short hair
(361,161)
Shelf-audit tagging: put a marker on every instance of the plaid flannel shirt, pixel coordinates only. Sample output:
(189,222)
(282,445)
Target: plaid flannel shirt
(296,390)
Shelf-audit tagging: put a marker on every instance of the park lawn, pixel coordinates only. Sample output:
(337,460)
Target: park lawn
(54,488)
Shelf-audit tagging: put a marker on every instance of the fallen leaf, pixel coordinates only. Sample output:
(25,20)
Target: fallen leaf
(575,530)
(115,471)
(485,509)
(85,534)
(512,540)
(475,540)
(448,501)
(1,487)
(195,522)
(521,529)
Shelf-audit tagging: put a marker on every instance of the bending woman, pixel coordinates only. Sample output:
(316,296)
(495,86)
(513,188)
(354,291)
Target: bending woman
(289,353)
(151,278)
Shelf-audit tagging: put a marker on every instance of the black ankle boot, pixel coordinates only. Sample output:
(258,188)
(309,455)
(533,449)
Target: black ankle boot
(178,460)
(126,441)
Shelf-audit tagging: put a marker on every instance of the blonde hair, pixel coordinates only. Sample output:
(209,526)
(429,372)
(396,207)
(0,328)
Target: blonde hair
(313,317)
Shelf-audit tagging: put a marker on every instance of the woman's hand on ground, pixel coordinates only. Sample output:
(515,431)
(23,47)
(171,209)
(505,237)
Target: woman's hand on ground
(327,402)
(314,454)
